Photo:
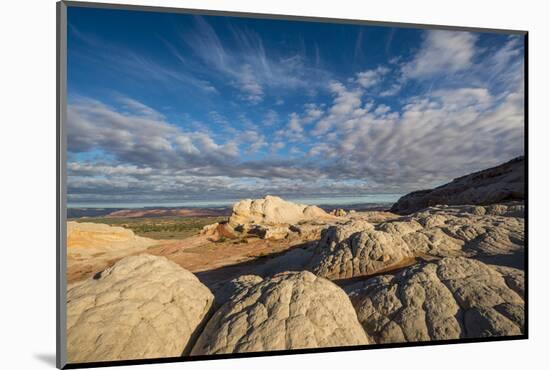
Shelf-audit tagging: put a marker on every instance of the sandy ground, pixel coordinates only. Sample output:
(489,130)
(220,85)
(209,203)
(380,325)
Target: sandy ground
(196,253)
(212,262)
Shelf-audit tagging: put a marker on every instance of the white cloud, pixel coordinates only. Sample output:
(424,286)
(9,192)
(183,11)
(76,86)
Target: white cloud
(294,124)
(345,103)
(271,118)
(441,52)
(462,98)
(218,118)
(135,106)
(139,135)
(381,109)
(248,83)
(254,140)
(276,146)
(346,100)
(392,90)
(88,168)
(312,112)
(371,77)
(435,137)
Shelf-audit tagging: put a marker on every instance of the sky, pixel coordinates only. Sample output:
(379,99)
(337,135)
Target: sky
(173,108)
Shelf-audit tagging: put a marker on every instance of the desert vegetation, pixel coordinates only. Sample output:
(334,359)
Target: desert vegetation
(159,227)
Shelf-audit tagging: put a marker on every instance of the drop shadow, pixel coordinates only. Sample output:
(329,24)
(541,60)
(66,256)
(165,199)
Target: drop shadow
(46,358)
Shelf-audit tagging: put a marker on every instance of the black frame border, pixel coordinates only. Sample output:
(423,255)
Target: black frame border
(61,147)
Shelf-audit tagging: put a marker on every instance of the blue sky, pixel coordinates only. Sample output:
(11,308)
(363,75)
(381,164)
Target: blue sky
(168,108)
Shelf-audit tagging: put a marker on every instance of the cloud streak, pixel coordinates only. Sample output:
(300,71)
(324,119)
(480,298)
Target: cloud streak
(249,66)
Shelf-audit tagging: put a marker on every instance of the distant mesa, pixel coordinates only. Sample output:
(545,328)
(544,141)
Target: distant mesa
(169,212)
(502,183)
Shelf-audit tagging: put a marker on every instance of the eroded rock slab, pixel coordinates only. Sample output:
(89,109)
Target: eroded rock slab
(88,235)
(287,311)
(142,307)
(92,247)
(450,299)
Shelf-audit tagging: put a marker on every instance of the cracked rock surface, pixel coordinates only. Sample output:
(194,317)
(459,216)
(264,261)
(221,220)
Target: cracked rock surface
(359,248)
(454,298)
(142,307)
(470,231)
(290,310)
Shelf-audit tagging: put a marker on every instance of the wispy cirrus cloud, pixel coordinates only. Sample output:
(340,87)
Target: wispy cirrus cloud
(127,61)
(247,63)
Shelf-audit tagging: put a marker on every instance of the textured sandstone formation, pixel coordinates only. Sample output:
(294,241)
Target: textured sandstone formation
(142,307)
(470,231)
(453,298)
(273,211)
(270,218)
(357,249)
(233,287)
(494,185)
(88,235)
(287,311)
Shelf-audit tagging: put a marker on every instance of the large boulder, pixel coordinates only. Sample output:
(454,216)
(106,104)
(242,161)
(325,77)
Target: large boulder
(234,286)
(142,307)
(271,218)
(357,249)
(273,210)
(88,235)
(450,299)
(288,311)
(502,183)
